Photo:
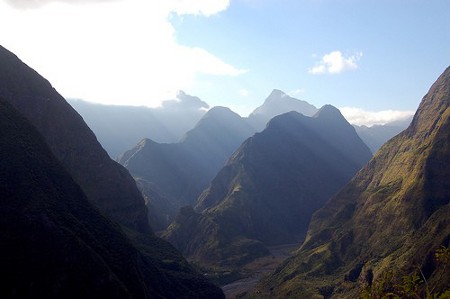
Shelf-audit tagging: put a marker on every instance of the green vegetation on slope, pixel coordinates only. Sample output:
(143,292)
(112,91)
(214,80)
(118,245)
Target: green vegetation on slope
(391,217)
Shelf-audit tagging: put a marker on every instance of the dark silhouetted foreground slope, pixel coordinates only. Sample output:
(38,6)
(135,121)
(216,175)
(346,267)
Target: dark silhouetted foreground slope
(56,182)
(106,183)
(55,244)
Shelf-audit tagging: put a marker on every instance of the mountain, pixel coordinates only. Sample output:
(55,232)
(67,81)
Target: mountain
(181,171)
(376,135)
(106,183)
(50,234)
(119,128)
(389,221)
(55,244)
(275,104)
(269,188)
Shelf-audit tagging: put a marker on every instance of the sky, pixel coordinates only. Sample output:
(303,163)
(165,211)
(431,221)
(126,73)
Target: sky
(373,59)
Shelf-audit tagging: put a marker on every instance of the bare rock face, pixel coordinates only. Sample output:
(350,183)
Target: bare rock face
(106,183)
(391,218)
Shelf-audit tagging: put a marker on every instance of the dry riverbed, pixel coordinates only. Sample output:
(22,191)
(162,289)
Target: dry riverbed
(258,269)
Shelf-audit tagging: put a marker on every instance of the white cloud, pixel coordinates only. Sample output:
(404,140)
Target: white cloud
(199,7)
(30,4)
(195,7)
(243,92)
(358,116)
(336,63)
(121,52)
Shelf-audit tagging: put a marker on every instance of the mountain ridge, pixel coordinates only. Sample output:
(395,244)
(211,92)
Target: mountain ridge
(72,142)
(71,215)
(268,189)
(181,171)
(392,215)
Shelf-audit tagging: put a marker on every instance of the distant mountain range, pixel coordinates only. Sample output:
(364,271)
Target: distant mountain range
(179,172)
(73,222)
(278,103)
(119,128)
(387,225)
(376,135)
(268,190)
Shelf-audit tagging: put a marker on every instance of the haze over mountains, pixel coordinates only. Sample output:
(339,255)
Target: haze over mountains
(119,128)
(268,190)
(275,104)
(181,171)
(59,187)
(391,218)
(376,135)
(74,223)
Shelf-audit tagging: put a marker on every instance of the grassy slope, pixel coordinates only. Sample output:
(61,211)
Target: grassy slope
(392,215)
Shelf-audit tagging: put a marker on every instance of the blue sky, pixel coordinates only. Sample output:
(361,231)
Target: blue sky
(372,55)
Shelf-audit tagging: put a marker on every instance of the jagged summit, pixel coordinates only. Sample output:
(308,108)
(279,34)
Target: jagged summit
(275,104)
(275,95)
(184,101)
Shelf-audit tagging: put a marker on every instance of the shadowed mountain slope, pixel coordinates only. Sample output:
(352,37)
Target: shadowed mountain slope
(181,171)
(270,187)
(76,238)
(106,183)
(55,244)
(392,216)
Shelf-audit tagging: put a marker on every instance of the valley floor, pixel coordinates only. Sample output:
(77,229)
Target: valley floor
(258,269)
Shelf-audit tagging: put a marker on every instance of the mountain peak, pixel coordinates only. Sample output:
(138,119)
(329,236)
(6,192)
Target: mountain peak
(276,94)
(219,111)
(395,211)
(433,105)
(278,103)
(329,113)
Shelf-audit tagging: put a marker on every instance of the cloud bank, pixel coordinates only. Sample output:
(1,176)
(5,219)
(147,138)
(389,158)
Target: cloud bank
(358,116)
(335,63)
(111,51)
(30,4)
(196,7)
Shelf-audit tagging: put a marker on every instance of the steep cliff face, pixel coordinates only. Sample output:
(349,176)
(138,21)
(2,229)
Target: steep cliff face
(268,190)
(392,216)
(55,244)
(59,191)
(106,183)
